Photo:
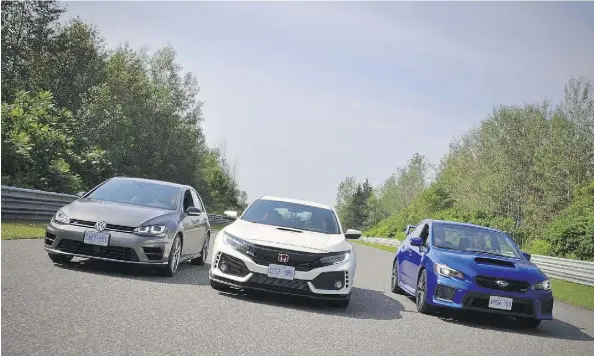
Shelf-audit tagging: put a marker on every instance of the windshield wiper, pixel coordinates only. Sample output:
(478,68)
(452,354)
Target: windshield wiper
(485,252)
(289,229)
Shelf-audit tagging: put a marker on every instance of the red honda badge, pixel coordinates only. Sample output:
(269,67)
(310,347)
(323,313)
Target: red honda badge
(283,257)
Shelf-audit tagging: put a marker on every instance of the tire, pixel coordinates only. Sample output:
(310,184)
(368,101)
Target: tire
(394,283)
(342,304)
(528,323)
(174,258)
(421,294)
(218,286)
(59,258)
(199,261)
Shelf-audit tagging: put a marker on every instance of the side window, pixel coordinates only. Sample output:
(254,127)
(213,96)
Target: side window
(417,231)
(197,201)
(188,200)
(425,234)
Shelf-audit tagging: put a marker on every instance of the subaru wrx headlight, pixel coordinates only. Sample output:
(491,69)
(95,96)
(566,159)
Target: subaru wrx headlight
(544,285)
(151,230)
(239,245)
(446,271)
(334,258)
(61,218)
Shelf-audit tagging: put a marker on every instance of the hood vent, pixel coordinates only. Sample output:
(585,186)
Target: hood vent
(494,261)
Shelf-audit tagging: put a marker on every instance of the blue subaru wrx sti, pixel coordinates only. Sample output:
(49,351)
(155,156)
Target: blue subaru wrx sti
(464,266)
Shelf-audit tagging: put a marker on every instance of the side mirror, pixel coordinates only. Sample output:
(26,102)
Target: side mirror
(527,255)
(230,213)
(352,234)
(80,194)
(193,211)
(416,241)
(408,229)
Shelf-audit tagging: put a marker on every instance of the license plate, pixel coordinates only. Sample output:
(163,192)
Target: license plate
(96,238)
(282,272)
(500,303)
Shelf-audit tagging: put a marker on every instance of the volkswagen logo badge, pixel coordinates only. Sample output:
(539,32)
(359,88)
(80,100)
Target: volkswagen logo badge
(100,225)
(502,284)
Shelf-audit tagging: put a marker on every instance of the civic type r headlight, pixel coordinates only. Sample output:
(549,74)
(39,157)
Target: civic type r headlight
(61,218)
(446,271)
(334,258)
(544,285)
(151,230)
(239,245)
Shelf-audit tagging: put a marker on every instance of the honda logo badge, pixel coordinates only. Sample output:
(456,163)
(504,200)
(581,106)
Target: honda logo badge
(283,257)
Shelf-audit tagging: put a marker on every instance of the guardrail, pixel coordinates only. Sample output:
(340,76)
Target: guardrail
(576,271)
(32,204)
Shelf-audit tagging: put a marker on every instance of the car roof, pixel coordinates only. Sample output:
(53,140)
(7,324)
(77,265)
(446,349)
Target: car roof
(296,201)
(147,180)
(449,222)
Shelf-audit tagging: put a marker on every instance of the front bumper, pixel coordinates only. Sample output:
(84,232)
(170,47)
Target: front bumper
(465,295)
(123,247)
(318,283)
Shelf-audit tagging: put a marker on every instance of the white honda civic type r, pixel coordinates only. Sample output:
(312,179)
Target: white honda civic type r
(286,246)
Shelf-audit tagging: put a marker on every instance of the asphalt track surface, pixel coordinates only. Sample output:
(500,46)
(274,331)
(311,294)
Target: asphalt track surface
(95,308)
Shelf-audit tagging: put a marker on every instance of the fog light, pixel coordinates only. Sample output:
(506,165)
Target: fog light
(338,284)
(223,267)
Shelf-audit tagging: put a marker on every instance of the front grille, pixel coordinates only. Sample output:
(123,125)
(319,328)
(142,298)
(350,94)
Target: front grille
(519,306)
(234,266)
(86,223)
(111,252)
(326,280)
(444,292)
(276,284)
(512,285)
(302,261)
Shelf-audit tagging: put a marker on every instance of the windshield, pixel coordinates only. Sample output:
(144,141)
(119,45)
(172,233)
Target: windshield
(292,215)
(141,193)
(473,239)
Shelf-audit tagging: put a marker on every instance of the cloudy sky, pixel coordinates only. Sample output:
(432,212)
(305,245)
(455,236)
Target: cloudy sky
(306,93)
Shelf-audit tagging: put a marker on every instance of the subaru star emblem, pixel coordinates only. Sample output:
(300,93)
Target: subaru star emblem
(502,284)
(100,225)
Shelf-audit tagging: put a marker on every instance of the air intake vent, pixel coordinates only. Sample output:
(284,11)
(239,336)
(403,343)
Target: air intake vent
(493,261)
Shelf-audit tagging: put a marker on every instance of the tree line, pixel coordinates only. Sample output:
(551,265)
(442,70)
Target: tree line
(75,112)
(525,169)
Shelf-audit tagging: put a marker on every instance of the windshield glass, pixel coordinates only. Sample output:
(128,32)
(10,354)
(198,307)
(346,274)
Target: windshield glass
(128,191)
(292,215)
(473,239)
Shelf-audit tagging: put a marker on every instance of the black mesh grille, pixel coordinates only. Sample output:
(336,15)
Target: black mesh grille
(326,280)
(111,252)
(277,284)
(234,265)
(302,261)
(492,283)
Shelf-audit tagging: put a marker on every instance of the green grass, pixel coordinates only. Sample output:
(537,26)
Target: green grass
(568,292)
(13,230)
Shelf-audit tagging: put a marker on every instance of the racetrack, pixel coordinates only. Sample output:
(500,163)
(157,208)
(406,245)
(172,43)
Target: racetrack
(111,309)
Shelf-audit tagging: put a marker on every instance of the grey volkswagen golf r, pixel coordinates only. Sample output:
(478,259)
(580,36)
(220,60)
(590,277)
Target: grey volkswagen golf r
(132,220)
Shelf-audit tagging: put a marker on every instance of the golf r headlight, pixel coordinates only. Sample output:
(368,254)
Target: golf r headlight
(61,218)
(239,245)
(544,285)
(446,271)
(151,230)
(335,258)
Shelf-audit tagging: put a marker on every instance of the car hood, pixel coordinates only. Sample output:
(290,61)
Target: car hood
(268,235)
(475,264)
(112,213)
